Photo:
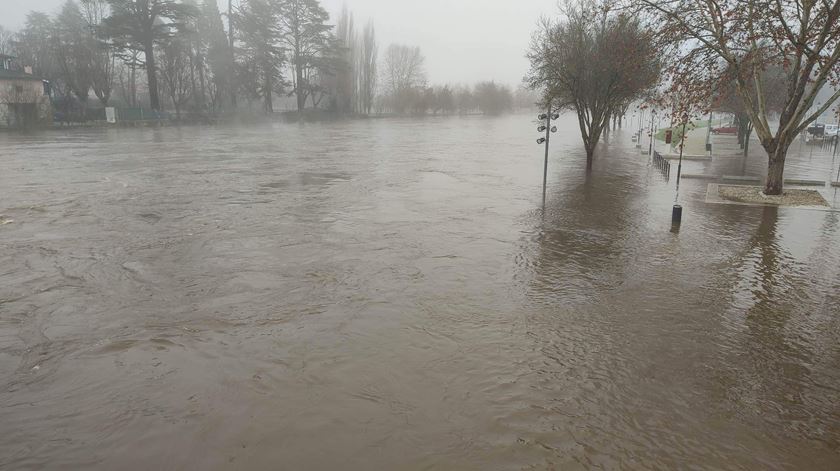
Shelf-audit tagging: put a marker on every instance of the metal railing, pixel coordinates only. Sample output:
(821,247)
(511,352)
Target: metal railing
(140,114)
(662,164)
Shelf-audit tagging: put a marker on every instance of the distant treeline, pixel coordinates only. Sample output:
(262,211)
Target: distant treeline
(260,55)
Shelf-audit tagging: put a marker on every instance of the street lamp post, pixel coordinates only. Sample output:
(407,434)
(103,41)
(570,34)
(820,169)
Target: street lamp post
(639,132)
(676,212)
(709,133)
(548,128)
(650,147)
(682,145)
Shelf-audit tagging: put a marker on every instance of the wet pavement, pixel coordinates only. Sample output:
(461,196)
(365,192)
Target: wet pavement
(815,161)
(387,294)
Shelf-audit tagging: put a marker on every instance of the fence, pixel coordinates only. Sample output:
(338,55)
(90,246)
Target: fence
(662,164)
(91,114)
(140,114)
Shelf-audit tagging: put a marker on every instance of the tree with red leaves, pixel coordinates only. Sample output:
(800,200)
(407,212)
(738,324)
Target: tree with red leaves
(740,40)
(594,61)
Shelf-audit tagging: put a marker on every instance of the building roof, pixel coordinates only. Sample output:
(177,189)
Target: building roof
(16,75)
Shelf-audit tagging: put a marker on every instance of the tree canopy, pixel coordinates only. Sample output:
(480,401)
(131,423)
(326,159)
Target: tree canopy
(593,61)
(741,39)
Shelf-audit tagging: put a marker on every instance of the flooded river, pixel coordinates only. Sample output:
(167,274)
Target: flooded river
(387,294)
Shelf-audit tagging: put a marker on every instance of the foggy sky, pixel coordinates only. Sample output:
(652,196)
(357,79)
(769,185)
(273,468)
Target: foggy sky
(464,41)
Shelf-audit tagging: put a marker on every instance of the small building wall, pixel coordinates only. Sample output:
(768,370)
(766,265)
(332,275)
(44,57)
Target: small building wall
(23,103)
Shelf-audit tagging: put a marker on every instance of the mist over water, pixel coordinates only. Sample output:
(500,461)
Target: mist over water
(388,294)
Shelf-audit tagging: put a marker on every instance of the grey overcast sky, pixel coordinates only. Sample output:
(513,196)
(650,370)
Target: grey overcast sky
(463,40)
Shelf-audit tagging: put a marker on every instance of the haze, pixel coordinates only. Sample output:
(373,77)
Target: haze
(464,41)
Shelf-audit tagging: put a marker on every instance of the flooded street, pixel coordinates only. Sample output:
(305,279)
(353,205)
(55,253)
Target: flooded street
(387,294)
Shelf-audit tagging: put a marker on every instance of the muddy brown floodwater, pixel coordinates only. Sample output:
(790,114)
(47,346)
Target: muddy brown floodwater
(386,294)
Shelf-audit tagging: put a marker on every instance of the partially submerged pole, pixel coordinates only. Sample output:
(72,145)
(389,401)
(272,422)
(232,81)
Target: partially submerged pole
(650,147)
(545,125)
(676,214)
(682,145)
(545,163)
(676,211)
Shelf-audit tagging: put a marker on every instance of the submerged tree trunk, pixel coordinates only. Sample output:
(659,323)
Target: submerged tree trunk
(299,92)
(231,57)
(747,136)
(83,106)
(744,128)
(590,156)
(299,89)
(268,105)
(592,124)
(151,76)
(201,81)
(132,87)
(590,142)
(193,87)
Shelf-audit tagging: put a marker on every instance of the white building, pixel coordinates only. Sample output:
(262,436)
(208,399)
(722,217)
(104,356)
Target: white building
(24,98)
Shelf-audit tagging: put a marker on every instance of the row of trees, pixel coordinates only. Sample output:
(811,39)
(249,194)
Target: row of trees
(179,52)
(749,42)
(270,48)
(596,62)
(406,90)
(756,58)
(488,98)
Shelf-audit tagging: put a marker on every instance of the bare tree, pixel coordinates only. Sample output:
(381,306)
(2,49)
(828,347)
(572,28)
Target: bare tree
(593,61)
(710,36)
(175,72)
(444,100)
(726,99)
(346,89)
(126,74)
(140,25)
(220,66)
(493,99)
(525,98)
(367,57)
(404,71)
(35,46)
(464,99)
(231,35)
(73,45)
(262,56)
(196,48)
(103,55)
(309,40)
(6,41)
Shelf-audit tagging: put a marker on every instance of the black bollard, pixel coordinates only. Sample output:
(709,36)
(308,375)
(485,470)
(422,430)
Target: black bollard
(676,214)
